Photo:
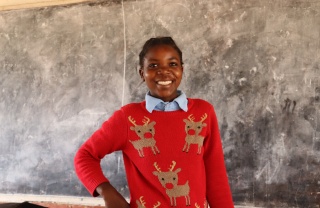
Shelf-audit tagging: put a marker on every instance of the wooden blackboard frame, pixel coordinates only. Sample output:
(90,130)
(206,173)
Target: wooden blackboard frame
(26,4)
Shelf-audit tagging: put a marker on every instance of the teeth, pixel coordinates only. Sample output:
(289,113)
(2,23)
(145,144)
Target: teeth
(164,82)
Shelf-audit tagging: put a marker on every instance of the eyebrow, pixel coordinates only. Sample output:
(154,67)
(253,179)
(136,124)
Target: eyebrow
(172,58)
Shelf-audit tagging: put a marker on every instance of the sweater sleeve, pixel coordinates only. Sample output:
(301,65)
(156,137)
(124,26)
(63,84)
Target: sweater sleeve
(218,189)
(109,138)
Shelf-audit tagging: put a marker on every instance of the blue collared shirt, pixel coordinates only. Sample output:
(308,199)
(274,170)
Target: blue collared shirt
(181,102)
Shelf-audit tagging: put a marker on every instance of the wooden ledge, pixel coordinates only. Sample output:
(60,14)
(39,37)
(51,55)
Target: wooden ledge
(25,4)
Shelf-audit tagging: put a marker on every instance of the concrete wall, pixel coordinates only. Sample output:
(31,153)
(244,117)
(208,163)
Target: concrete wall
(64,70)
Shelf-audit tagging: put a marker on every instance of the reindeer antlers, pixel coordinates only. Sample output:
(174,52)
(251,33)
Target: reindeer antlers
(204,117)
(157,205)
(145,121)
(132,121)
(142,201)
(172,166)
(155,164)
(191,117)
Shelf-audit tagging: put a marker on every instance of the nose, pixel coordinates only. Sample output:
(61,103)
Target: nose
(191,132)
(169,185)
(163,70)
(147,135)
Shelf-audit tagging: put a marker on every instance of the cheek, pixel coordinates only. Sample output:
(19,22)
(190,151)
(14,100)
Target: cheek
(148,73)
(178,74)
(148,78)
(145,72)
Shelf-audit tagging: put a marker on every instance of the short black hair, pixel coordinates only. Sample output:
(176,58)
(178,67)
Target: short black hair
(155,42)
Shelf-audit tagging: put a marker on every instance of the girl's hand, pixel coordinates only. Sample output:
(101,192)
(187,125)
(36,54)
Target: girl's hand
(112,198)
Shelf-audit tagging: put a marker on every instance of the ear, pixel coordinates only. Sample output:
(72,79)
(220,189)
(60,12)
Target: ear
(141,72)
(178,170)
(156,173)
(152,123)
(186,121)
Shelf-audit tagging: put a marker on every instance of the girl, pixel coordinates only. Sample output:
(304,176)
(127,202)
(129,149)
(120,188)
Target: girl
(171,144)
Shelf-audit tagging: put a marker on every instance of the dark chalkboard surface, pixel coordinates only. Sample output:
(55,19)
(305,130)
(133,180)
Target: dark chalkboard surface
(64,70)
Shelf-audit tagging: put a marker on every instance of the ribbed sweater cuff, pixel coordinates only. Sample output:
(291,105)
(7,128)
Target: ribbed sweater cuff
(95,182)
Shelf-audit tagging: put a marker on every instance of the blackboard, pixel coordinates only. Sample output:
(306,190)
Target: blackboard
(64,70)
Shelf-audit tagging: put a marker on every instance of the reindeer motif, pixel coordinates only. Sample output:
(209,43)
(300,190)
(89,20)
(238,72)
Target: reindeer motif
(204,205)
(169,180)
(157,205)
(141,203)
(146,134)
(193,129)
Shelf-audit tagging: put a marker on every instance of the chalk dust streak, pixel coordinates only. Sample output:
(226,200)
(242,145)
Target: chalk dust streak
(124,54)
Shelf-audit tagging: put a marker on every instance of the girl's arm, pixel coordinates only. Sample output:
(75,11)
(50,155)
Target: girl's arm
(218,189)
(112,136)
(111,197)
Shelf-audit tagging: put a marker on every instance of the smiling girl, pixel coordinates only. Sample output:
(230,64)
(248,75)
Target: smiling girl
(170,143)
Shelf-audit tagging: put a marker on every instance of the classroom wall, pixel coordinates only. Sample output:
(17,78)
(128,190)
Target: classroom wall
(64,70)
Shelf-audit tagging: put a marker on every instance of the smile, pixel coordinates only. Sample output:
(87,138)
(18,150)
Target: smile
(164,82)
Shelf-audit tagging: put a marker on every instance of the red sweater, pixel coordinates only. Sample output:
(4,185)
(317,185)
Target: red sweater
(171,158)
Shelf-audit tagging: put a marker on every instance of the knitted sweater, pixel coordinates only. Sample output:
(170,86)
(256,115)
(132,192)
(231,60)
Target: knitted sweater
(171,158)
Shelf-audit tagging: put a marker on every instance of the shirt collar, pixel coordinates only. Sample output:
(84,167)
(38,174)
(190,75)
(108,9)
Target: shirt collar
(152,102)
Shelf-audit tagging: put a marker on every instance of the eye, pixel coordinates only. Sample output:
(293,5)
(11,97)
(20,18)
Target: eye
(173,64)
(199,127)
(139,131)
(153,65)
(162,179)
(174,179)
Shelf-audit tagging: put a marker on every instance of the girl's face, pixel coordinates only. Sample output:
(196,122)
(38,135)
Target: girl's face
(162,71)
